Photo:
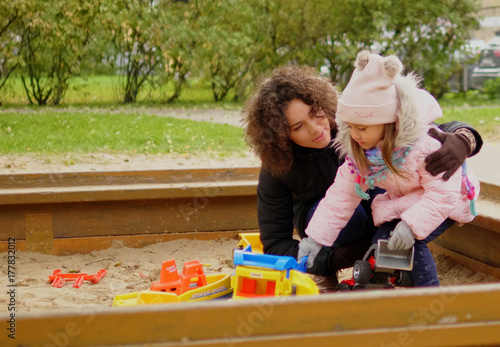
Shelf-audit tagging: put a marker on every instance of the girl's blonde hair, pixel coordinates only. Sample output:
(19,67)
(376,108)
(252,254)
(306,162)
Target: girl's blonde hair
(387,147)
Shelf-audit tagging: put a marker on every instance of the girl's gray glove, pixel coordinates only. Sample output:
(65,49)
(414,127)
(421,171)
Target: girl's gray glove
(402,237)
(310,248)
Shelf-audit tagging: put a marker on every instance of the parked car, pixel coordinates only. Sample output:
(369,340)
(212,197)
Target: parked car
(468,56)
(488,66)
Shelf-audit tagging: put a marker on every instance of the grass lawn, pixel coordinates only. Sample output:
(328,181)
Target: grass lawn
(119,128)
(485,119)
(64,132)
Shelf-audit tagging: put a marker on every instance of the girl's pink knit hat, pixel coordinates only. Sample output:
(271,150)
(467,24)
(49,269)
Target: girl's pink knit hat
(370,96)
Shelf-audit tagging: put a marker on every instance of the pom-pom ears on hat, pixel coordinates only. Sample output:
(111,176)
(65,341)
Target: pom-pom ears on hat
(392,64)
(362,60)
(371,97)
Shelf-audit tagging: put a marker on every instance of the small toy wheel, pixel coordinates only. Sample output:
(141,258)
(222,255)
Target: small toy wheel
(362,271)
(343,287)
(404,279)
(358,286)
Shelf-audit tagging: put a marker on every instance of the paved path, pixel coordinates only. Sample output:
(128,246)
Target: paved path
(231,117)
(486,165)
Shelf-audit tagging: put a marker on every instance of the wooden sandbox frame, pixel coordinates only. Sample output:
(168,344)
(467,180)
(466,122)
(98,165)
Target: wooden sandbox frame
(102,207)
(445,316)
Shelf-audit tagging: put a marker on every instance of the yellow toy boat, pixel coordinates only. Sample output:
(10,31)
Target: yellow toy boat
(217,285)
(190,285)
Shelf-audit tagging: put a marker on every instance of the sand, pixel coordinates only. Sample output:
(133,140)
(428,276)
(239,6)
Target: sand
(134,269)
(128,270)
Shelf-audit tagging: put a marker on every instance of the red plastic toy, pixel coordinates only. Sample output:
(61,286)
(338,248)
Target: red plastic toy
(173,282)
(58,279)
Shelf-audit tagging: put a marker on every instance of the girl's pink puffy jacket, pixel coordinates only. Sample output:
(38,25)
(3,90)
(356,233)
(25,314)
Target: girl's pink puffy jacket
(420,199)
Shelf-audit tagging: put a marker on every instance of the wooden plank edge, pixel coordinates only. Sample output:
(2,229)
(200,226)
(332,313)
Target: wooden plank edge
(490,191)
(32,196)
(487,222)
(443,316)
(461,259)
(459,335)
(70,179)
(84,245)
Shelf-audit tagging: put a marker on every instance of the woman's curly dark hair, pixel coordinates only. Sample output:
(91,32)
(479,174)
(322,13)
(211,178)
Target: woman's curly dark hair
(267,128)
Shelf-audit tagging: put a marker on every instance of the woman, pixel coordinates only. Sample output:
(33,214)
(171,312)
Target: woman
(290,124)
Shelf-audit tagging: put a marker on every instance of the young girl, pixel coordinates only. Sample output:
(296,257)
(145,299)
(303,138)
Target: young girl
(383,120)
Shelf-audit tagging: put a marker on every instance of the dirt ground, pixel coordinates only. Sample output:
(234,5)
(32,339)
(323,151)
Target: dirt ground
(32,163)
(133,269)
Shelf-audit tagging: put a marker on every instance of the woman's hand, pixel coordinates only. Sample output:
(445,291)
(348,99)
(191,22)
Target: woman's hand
(452,154)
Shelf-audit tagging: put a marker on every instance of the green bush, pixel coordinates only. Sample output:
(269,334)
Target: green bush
(492,88)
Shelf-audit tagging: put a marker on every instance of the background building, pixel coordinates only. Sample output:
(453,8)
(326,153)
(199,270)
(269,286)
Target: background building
(490,21)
